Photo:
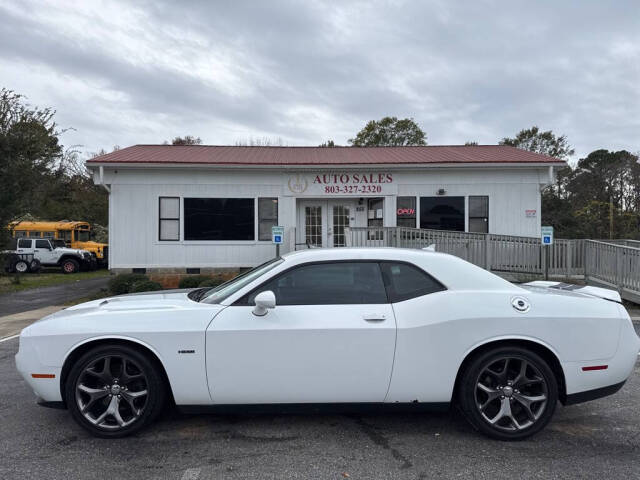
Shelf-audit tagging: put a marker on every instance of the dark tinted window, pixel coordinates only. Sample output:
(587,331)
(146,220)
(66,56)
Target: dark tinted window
(326,284)
(219,219)
(267,217)
(42,244)
(406,281)
(442,213)
(24,243)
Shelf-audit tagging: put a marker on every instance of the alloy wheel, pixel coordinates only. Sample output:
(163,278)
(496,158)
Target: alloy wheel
(112,392)
(511,393)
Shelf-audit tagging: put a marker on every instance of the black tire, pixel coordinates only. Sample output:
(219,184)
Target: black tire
(35,266)
(70,265)
(142,375)
(494,395)
(21,266)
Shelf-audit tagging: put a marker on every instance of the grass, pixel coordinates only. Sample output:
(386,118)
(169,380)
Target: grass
(45,279)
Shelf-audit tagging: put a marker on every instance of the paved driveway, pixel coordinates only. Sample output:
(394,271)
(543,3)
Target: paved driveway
(599,440)
(34,298)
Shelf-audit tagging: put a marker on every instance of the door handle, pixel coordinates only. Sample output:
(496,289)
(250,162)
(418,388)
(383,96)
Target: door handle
(374,317)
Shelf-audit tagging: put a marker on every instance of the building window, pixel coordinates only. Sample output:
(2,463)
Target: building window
(406,212)
(442,213)
(375,209)
(479,213)
(219,219)
(267,217)
(169,219)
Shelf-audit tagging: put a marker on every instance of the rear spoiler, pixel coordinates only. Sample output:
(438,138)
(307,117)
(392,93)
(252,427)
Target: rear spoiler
(603,293)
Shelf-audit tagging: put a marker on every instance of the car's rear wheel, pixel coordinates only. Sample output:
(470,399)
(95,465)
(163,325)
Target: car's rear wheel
(508,393)
(113,391)
(35,266)
(69,265)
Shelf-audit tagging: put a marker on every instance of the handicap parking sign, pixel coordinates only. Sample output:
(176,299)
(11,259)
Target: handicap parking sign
(277,234)
(547,235)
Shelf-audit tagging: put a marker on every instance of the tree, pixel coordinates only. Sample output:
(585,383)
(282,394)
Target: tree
(260,142)
(29,148)
(186,140)
(470,143)
(328,143)
(599,198)
(547,143)
(389,132)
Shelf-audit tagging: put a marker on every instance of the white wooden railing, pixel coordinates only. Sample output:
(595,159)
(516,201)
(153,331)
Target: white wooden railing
(614,265)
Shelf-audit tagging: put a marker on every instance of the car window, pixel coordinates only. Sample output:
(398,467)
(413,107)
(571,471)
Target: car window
(42,244)
(405,281)
(24,243)
(336,283)
(224,291)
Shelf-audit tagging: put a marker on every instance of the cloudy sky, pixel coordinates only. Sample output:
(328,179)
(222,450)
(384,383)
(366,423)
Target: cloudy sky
(308,71)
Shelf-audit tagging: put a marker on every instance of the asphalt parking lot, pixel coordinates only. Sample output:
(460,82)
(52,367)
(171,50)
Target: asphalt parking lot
(600,439)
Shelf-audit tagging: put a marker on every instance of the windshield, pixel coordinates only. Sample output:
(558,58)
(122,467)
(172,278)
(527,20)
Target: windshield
(221,292)
(82,236)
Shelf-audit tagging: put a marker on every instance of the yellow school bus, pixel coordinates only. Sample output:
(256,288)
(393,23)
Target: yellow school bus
(74,234)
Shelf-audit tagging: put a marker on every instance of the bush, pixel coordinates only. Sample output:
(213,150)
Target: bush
(192,281)
(212,282)
(145,286)
(122,283)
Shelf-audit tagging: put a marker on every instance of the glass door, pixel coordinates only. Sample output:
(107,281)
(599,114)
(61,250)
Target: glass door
(324,223)
(312,224)
(340,220)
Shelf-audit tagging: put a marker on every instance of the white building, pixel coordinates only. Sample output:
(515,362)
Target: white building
(173,208)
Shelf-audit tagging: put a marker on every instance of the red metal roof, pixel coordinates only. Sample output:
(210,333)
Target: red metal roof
(274,156)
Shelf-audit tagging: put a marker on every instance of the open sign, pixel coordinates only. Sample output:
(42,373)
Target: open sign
(406,211)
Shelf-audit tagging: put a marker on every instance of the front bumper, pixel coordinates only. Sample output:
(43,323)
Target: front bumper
(28,365)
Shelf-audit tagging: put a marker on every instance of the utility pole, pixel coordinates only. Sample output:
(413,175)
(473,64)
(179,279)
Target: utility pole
(610,217)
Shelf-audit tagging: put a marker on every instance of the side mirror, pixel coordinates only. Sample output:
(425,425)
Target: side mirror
(264,301)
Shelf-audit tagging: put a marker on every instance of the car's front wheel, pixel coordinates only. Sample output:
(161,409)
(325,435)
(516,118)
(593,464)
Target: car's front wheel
(508,393)
(69,265)
(114,390)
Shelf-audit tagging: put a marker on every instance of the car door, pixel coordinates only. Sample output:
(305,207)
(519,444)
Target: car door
(44,253)
(330,338)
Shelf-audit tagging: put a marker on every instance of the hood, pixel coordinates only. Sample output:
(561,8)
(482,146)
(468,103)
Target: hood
(570,289)
(163,299)
(75,251)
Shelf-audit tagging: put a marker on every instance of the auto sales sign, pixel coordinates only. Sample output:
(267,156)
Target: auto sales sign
(356,184)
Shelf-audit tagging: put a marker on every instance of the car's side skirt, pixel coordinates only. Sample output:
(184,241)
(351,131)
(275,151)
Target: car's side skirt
(594,394)
(315,408)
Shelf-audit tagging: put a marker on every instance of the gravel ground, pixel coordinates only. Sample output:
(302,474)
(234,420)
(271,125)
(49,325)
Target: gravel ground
(599,439)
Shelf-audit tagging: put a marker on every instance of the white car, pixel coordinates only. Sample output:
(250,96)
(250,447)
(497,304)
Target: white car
(383,327)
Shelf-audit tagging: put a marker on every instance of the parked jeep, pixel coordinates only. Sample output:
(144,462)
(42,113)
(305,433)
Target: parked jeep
(31,253)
